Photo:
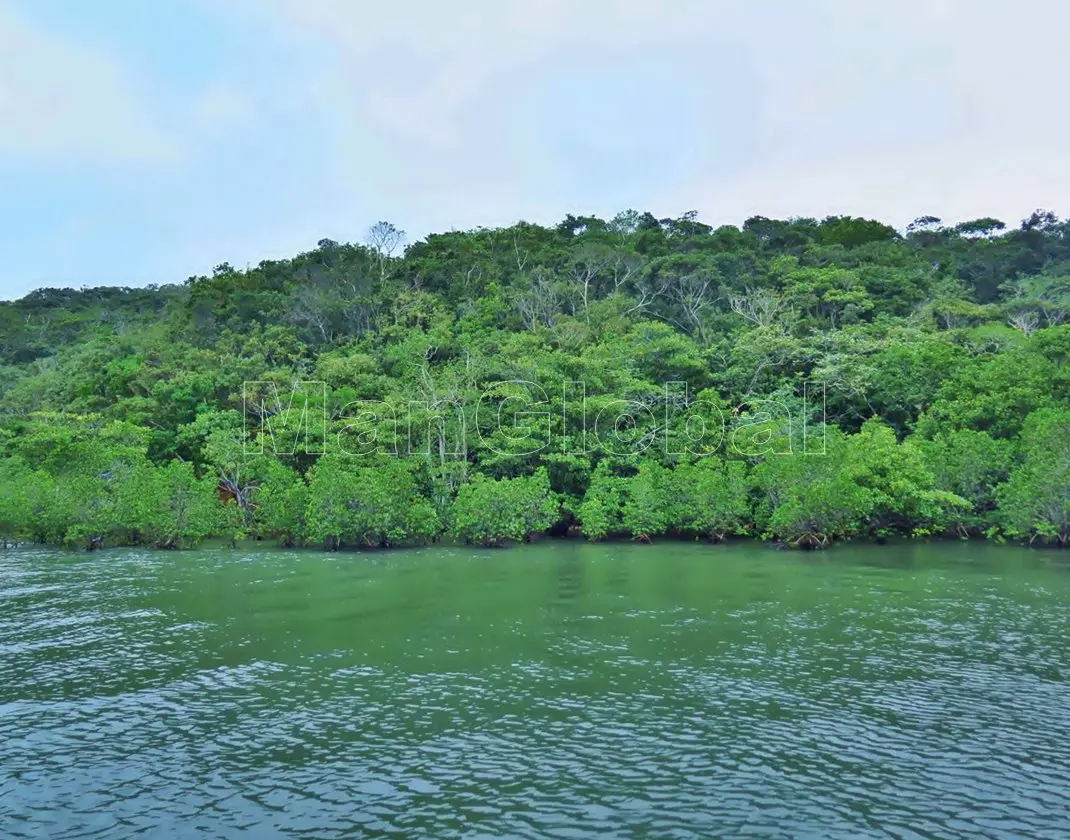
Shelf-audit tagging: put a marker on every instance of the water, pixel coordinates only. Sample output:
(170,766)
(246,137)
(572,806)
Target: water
(558,690)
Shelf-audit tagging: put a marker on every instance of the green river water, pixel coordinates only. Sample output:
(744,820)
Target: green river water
(558,690)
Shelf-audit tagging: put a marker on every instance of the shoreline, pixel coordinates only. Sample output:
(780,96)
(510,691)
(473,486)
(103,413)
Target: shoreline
(214,543)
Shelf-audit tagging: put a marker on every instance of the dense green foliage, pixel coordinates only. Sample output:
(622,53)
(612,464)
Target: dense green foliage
(366,506)
(634,377)
(491,512)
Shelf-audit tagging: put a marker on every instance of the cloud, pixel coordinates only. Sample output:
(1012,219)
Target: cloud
(63,99)
(164,138)
(893,113)
(458,116)
(951,181)
(942,105)
(413,65)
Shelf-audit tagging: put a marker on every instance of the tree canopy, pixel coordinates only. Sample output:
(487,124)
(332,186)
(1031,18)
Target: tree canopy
(800,380)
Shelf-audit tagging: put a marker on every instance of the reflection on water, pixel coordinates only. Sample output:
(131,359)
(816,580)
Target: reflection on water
(569,574)
(557,690)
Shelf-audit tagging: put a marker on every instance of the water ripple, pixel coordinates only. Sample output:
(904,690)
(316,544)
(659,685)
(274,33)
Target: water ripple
(449,694)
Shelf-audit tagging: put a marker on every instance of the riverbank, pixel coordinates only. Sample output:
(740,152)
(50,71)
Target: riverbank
(253,544)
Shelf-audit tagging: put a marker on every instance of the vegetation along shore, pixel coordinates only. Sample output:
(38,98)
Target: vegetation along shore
(798,381)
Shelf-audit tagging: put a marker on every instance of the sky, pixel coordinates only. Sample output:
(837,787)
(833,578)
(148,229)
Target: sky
(145,142)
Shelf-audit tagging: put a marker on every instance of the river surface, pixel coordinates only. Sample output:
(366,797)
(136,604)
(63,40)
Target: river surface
(558,690)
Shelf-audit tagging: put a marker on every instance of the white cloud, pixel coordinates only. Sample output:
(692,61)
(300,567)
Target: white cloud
(945,106)
(952,182)
(413,64)
(947,110)
(60,98)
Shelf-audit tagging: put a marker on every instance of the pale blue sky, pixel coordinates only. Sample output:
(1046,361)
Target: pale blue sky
(143,141)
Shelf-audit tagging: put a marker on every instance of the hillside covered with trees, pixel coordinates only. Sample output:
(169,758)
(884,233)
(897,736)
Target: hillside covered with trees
(802,381)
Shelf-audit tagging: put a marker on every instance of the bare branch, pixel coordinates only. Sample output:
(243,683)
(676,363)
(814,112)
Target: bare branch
(761,307)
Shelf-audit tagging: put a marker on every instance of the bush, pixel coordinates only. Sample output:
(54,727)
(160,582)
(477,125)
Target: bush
(367,506)
(1035,501)
(711,498)
(174,508)
(864,484)
(491,512)
(705,499)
